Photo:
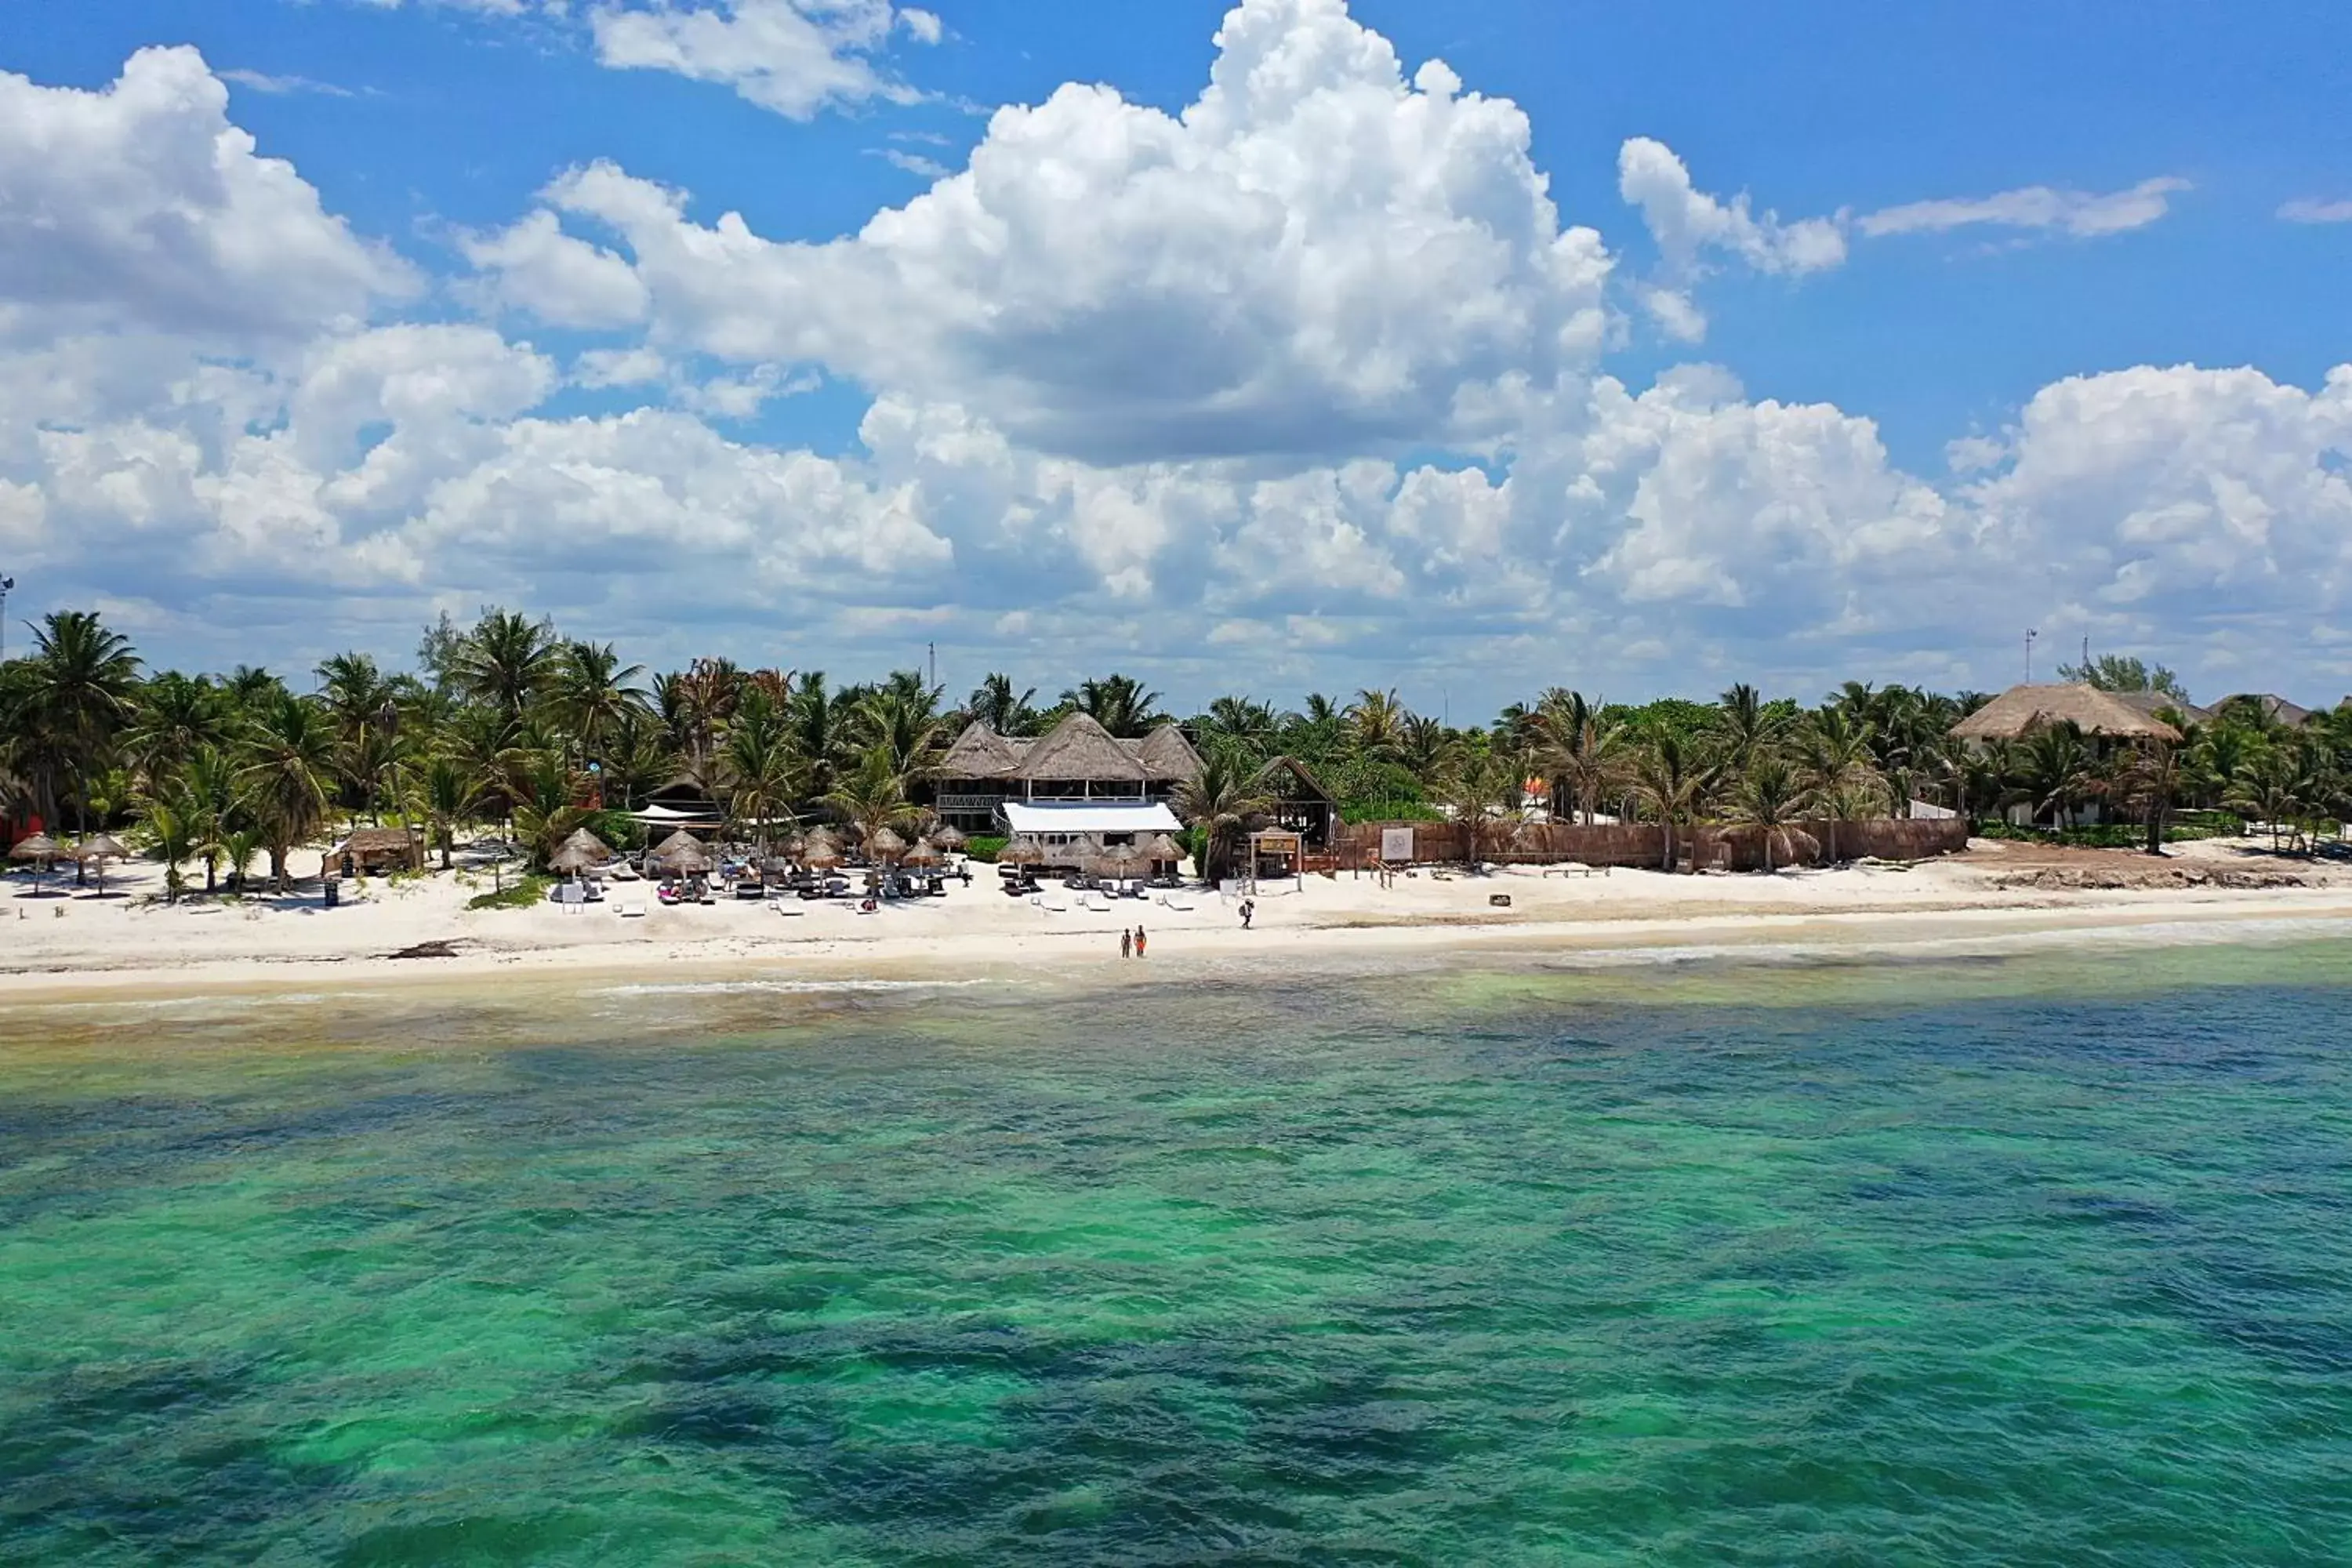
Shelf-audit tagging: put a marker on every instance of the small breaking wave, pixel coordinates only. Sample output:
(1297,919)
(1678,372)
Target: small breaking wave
(782,987)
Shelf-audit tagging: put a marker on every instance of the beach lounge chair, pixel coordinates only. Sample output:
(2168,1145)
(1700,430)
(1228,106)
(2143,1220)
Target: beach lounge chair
(629,909)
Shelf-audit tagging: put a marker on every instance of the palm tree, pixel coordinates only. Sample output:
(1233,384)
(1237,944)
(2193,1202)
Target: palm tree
(442,794)
(1673,776)
(549,804)
(83,682)
(994,703)
(2278,790)
(1219,802)
(1579,750)
(872,795)
(177,713)
(1769,798)
(1477,790)
(593,692)
(290,756)
(1242,723)
(249,686)
(1377,719)
(1426,747)
(2146,779)
(1119,703)
(1834,760)
(2055,771)
(506,662)
(635,761)
(170,831)
(759,765)
(2220,759)
(211,799)
(820,730)
(905,724)
(1744,726)
(237,851)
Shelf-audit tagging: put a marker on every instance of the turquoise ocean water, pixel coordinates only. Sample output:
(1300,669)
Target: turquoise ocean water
(2029,1260)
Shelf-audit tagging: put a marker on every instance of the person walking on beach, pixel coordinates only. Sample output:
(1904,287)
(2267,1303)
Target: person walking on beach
(1139,941)
(1249,908)
(1126,942)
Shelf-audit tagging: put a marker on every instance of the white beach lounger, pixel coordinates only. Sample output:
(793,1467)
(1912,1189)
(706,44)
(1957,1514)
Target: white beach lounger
(630,909)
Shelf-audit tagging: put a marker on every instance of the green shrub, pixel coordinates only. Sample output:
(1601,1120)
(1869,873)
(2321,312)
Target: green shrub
(2112,835)
(520,894)
(985,846)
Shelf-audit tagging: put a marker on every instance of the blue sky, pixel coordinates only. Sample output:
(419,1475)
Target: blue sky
(509,350)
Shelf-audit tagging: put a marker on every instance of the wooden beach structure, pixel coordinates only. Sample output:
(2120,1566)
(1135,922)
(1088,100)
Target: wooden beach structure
(376,852)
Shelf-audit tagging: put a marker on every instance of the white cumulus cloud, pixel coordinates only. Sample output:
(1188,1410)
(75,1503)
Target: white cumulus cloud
(796,57)
(536,267)
(1688,225)
(1317,253)
(141,206)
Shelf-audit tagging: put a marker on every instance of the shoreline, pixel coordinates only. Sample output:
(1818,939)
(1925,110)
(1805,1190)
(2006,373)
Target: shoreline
(1727,929)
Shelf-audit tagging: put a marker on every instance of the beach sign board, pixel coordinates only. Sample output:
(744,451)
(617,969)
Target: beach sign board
(1396,845)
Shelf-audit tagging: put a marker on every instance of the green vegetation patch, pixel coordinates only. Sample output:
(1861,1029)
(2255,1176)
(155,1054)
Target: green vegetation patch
(521,894)
(985,846)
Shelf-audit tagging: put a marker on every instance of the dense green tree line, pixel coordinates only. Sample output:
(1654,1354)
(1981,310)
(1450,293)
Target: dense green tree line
(509,722)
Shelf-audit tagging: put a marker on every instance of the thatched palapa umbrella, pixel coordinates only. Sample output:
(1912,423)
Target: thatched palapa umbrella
(885,846)
(583,851)
(1022,851)
(924,853)
(1122,862)
(97,852)
(41,850)
(681,852)
(1165,851)
(946,839)
(822,851)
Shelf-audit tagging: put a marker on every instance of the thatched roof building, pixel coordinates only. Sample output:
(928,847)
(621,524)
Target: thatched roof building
(2022,709)
(1080,750)
(980,753)
(1168,757)
(372,849)
(2156,704)
(2275,708)
(1077,760)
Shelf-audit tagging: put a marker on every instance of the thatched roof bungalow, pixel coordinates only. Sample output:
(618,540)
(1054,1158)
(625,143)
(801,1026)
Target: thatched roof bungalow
(2022,709)
(373,850)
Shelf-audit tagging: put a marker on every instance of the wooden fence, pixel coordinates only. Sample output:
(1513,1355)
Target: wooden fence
(1644,844)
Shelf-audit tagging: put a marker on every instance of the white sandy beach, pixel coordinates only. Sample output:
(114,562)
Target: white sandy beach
(69,941)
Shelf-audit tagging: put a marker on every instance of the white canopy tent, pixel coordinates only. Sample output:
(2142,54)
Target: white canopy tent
(1051,821)
(668,817)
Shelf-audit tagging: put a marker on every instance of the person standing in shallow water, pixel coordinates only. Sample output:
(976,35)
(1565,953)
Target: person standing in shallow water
(1126,942)
(1140,940)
